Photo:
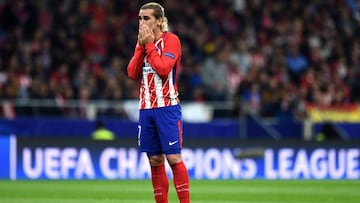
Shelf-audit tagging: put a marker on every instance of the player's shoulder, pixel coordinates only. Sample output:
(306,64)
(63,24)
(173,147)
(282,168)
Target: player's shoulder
(170,35)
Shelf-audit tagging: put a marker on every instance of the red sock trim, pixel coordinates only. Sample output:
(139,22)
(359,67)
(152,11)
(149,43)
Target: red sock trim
(160,183)
(181,182)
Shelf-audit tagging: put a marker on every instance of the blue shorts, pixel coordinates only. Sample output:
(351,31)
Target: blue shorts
(160,130)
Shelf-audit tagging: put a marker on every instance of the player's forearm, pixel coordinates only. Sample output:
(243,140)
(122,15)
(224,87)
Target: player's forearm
(162,65)
(135,65)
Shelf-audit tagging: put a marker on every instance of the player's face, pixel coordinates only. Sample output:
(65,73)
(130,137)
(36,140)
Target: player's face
(146,17)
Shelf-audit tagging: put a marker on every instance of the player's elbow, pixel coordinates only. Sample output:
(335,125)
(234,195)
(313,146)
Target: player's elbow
(163,73)
(132,76)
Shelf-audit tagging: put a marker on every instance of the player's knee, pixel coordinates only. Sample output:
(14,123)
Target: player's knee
(174,158)
(156,160)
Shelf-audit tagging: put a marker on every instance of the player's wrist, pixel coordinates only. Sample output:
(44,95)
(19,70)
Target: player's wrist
(140,47)
(150,45)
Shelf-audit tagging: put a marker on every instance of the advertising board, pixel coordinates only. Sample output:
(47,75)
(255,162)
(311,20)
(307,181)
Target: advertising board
(87,159)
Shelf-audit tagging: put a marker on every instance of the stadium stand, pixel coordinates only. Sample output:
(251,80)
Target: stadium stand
(271,58)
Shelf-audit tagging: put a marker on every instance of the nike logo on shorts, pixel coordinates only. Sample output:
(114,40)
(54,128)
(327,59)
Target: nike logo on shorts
(172,143)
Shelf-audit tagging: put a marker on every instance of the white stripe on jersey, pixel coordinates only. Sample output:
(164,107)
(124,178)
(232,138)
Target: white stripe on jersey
(172,89)
(159,91)
(161,41)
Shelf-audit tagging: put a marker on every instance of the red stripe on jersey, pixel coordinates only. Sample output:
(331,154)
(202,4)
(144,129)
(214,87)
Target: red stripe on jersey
(142,101)
(151,82)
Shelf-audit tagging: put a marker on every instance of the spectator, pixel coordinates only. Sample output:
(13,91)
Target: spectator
(101,132)
(215,75)
(296,62)
(229,44)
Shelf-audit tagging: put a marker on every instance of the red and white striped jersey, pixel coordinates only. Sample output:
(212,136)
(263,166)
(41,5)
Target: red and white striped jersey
(159,65)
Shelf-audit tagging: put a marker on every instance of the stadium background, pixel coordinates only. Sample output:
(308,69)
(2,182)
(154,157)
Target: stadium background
(279,76)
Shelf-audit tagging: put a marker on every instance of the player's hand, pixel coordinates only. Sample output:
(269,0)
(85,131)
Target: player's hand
(140,38)
(145,35)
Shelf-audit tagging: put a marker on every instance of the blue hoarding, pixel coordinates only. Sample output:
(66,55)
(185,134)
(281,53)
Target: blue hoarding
(7,156)
(86,159)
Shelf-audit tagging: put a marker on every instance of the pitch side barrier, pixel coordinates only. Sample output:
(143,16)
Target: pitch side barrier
(81,158)
(229,128)
(249,128)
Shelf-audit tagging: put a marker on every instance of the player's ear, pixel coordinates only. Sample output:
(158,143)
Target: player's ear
(159,21)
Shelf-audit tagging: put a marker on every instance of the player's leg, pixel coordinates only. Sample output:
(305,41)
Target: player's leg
(169,126)
(149,142)
(181,177)
(159,178)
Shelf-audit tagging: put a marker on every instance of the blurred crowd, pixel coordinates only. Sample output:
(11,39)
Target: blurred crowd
(268,57)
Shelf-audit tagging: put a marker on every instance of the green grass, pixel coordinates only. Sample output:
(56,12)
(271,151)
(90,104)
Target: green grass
(202,191)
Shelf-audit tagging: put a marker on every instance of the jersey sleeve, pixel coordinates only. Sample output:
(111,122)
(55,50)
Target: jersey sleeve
(163,63)
(135,65)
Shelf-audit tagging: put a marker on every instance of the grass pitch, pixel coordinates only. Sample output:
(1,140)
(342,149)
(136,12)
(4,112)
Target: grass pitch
(202,191)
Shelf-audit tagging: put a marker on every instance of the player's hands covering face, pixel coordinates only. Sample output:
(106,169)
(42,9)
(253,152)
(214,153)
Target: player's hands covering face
(145,35)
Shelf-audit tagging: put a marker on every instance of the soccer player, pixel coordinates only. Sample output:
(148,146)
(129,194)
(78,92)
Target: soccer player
(157,61)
